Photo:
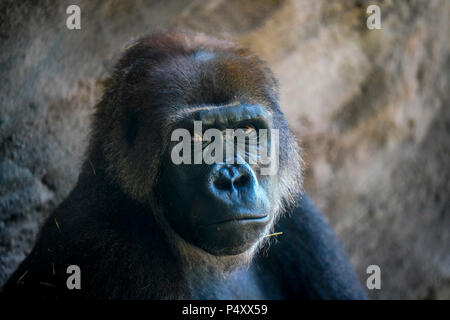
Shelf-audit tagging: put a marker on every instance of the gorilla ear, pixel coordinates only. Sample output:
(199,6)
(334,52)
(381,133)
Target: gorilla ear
(131,127)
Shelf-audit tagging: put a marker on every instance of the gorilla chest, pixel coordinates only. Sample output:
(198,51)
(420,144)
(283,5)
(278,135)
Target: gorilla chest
(241,284)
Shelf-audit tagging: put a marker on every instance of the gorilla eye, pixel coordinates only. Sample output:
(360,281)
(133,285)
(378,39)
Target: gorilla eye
(197,138)
(248,129)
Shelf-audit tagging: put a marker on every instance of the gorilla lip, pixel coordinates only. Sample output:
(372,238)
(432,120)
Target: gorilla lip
(238,220)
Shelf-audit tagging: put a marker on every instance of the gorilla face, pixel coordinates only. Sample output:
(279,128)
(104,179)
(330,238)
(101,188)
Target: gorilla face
(167,83)
(225,207)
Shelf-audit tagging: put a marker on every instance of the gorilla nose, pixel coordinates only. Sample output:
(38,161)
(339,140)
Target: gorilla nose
(232,177)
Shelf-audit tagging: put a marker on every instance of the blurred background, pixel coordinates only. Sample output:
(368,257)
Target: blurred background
(371,109)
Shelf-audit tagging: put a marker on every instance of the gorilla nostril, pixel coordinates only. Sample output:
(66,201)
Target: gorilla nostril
(241,181)
(223,183)
(229,178)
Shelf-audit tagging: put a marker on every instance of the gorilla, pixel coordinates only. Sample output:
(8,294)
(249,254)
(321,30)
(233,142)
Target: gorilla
(140,226)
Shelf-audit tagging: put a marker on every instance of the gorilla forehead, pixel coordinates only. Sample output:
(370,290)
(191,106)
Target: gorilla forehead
(187,80)
(194,71)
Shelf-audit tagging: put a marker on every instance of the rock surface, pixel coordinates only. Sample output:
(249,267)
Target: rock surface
(371,109)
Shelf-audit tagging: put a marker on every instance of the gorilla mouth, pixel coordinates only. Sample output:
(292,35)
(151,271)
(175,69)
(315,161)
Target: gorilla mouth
(231,234)
(239,219)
